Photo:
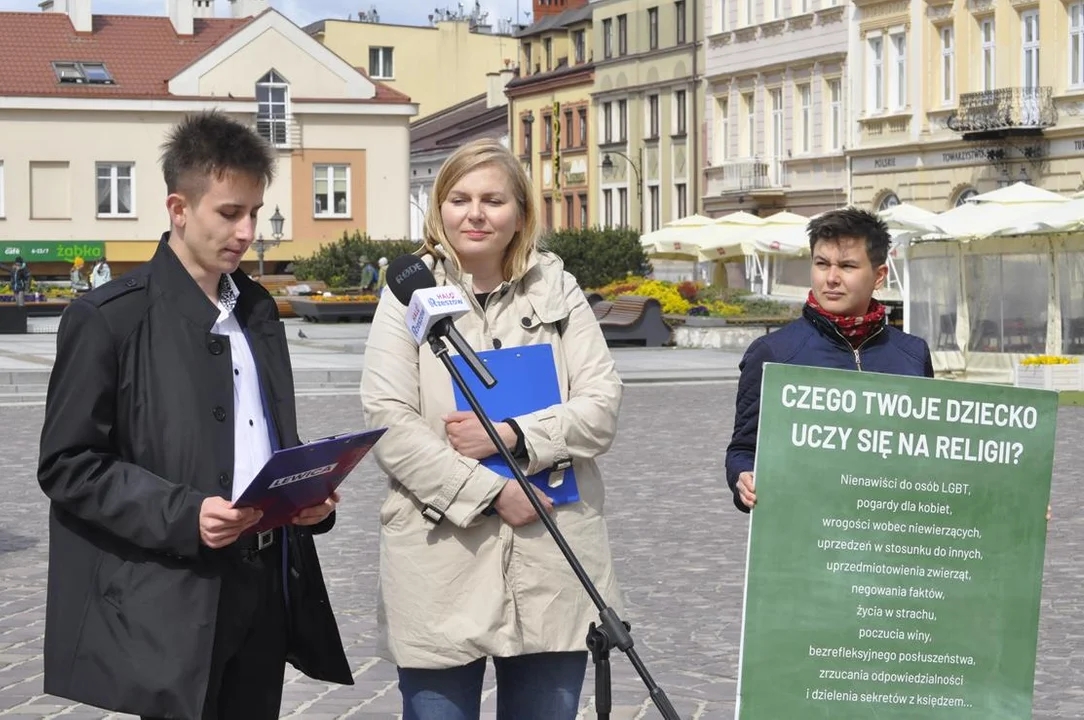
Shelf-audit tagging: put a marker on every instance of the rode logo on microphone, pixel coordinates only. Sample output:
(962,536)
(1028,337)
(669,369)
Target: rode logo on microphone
(298,477)
(408,271)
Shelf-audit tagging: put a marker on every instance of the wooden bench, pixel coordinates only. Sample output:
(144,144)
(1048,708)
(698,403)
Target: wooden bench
(632,319)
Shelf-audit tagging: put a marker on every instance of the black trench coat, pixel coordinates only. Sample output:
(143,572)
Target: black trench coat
(138,431)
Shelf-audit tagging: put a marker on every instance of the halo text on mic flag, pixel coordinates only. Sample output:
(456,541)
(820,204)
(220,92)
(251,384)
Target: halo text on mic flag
(429,305)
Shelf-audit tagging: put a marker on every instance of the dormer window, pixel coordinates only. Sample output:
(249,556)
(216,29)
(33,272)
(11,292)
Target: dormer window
(89,73)
(272,109)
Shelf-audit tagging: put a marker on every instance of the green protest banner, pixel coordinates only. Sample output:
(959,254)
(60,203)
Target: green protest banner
(896,550)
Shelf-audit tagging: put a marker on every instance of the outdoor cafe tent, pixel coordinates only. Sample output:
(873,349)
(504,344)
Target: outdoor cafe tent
(996,279)
(756,241)
(675,240)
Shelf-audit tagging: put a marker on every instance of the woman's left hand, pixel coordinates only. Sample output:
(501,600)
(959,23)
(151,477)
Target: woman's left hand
(469,438)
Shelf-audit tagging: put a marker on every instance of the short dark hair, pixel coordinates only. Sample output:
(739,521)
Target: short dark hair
(211,143)
(852,222)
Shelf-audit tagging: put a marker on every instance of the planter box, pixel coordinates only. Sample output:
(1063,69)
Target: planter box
(328,312)
(1050,377)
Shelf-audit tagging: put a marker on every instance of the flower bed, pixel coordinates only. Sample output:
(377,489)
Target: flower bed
(695,300)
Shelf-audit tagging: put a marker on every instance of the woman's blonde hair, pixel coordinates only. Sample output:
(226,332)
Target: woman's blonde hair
(468,158)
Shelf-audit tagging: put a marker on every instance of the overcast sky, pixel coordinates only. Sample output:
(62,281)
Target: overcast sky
(303,12)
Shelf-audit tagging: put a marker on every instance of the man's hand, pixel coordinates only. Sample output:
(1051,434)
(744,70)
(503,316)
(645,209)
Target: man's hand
(746,489)
(220,524)
(468,437)
(317,513)
(515,508)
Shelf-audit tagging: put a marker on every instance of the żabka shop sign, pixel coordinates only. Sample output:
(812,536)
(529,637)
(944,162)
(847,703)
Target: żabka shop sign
(50,251)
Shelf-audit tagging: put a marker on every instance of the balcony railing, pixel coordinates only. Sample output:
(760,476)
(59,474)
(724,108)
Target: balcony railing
(1005,111)
(281,132)
(744,175)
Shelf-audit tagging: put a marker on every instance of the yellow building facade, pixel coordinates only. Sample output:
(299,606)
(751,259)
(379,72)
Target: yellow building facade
(956,98)
(549,111)
(648,108)
(437,65)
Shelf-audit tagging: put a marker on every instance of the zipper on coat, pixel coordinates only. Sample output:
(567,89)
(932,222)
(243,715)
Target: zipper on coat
(856,350)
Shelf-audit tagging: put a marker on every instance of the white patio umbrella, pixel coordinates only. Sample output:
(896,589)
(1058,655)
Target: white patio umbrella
(783,234)
(1064,217)
(677,239)
(998,212)
(730,236)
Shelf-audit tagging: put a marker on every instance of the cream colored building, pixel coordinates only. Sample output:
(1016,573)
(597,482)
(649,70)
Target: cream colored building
(777,105)
(437,66)
(647,106)
(959,98)
(80,135)
(549,111)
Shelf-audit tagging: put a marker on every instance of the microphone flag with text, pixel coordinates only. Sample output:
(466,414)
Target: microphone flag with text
(432,310)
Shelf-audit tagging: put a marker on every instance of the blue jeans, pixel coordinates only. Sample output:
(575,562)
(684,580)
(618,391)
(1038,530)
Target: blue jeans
(544,686)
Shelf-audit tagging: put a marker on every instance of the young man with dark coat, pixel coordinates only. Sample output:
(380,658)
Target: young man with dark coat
(171,385)
(842,327)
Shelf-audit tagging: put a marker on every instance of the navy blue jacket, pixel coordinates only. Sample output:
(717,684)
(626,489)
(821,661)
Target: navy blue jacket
(812,340)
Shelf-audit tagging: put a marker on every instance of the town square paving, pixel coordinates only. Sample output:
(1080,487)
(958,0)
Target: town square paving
(678,541)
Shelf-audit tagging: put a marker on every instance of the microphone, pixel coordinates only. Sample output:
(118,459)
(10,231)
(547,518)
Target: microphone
(431,310)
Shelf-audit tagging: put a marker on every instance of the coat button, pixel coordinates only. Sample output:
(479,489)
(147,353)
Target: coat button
(525,322)
(131,282)
(224,479)
(219,413)
(496,343)
(215,347)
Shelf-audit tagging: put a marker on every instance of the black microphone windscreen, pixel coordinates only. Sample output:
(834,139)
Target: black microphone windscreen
(406,274)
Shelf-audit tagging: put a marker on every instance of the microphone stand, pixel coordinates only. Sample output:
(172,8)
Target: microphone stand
(612,630)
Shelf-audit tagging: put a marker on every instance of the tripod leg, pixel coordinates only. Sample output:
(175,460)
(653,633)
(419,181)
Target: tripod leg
(599,645)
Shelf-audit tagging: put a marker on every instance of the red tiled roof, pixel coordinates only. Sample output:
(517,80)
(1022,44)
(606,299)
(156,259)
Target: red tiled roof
(385,93)
(141,53)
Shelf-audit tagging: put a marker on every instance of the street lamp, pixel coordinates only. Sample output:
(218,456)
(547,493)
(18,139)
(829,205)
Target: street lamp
(262,245)
(608,166)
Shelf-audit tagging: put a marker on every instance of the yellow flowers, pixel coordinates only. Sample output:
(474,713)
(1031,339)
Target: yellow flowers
(1049,360)
(667,295)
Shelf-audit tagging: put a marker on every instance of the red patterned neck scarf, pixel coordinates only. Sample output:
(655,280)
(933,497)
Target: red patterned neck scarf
(856,329)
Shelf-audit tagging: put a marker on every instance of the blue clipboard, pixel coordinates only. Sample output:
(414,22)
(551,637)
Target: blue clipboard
(526,382)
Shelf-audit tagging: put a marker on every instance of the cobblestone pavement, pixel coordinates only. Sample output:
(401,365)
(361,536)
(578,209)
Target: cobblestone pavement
(679,546)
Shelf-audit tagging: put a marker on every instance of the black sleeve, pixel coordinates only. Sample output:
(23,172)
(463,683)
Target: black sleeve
(741,452)
(78,468)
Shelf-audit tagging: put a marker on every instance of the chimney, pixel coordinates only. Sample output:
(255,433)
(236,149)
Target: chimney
(77,10)
(247,8)
(203,9)
(496,81)
(181,15)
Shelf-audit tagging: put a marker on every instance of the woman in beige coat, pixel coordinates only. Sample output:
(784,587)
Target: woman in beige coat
(466,569)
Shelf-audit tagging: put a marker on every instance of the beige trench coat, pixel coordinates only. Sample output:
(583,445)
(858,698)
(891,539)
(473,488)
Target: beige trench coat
(472,586)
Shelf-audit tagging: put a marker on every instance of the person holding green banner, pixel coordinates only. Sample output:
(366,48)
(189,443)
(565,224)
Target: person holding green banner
(841,327)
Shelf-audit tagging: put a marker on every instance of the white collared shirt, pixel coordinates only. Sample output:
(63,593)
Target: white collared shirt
(251,442)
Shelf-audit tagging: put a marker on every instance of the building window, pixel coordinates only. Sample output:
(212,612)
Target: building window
(652,116)
(805,100)
(655,207)
(680,113)
(548,212)
(583,211)
(331,191)
(989,55)
(608,37)
(527,57)
(888,201)
(1029,26)
(547,142)
(528,125)
(777,133)
(835,114)
(272,108)
(608,207)
(653,28)
(681,200)
(623,206)
(582,114)
(749,101)
(115,188)
(622,34)
(876,77)
(607,122)
(679,17)
(570,212)
(805,4)
(569,130)
(948,65)
(1076,44)
(581,46)
(777,10)
(722,138)
(965,195)
(750,12)
(721,24)
(547,48)
(82,73)
(381,66)
(899,79)
(622,120)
